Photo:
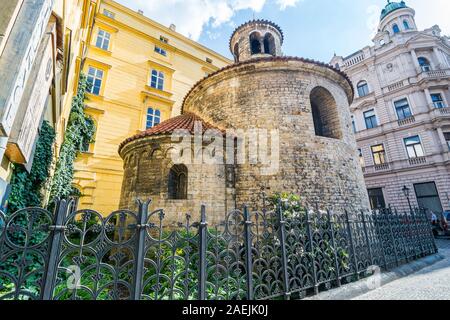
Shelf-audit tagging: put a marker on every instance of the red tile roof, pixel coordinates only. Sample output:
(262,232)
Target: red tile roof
(185,121)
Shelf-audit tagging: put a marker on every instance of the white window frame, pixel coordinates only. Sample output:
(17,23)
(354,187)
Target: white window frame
(98,74)
(444,100)
(157,77)
(376,118)
(151,123)
(409,105)
(415,151)
(105,39)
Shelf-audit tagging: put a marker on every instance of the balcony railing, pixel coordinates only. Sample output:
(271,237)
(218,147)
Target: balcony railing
(406,121)
(382,167)
(434,74)
(354,59)
(417,161)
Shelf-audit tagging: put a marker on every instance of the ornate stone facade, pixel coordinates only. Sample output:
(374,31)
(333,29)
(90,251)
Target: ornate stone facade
(401,111)
(304,107)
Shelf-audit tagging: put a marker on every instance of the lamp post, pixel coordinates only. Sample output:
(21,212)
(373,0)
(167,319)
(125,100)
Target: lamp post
(406,193)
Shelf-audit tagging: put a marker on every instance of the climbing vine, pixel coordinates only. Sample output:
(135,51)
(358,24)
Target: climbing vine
(27,187)
(80,132)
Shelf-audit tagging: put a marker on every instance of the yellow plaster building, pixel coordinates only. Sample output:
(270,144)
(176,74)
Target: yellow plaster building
(42,46)
(140,71)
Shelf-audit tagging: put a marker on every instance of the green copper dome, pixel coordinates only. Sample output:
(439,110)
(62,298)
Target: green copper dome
(391,7)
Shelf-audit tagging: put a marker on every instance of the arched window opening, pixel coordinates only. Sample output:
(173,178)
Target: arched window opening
(255,43)
(269,44)
(395,28)
(236,52)
(363,88)
(406,24)
(178,178)
(325,114)
(424,64)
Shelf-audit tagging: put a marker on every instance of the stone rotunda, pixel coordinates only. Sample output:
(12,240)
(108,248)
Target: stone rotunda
(303,105)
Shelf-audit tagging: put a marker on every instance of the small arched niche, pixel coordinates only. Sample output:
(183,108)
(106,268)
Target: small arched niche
(325,114)
(255,43)
(269,44)
(236,52)
(177,184)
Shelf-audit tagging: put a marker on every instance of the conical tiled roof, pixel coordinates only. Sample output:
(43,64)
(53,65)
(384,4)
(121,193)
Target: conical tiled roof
(185,121)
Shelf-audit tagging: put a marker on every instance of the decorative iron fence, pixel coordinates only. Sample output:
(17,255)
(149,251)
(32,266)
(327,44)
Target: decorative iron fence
(268,254)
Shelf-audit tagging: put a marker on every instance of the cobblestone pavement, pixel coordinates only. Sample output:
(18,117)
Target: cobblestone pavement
(430,283)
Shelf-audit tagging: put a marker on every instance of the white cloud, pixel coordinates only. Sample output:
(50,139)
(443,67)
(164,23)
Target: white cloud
(287,3)
(191,16)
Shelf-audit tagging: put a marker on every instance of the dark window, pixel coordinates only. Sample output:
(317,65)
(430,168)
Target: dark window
(157,80)
(255,43)
(428,196)
(95,78)
(376,198)
(402,109)
(414,147)
(395,28)
(269,44)
(164,39)
(438,102)
(371,119)
(178,178)
(153,118)
(161,51)
(325,114)
(424,64)
(363,89)
(447,138)
(406,24)
(379,154)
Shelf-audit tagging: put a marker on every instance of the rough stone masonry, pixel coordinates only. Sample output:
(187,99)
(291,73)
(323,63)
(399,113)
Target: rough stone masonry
(305,102)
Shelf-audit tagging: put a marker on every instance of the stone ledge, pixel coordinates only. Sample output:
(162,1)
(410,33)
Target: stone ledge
(356,289)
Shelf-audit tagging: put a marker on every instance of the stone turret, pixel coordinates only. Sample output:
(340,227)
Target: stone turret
(256,39)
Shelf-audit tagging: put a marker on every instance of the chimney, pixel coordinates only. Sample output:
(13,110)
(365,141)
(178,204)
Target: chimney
(140,11)
(173,27)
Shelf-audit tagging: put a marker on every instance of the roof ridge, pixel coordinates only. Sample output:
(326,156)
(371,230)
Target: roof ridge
(183,121)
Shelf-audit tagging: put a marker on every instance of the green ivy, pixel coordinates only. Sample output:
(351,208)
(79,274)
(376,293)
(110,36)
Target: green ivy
(27,188)
(80,131)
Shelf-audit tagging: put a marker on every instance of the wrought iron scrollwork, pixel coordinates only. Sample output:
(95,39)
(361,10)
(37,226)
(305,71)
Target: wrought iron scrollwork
(270,253)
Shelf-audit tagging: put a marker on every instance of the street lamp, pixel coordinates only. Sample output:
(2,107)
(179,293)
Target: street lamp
(406,193)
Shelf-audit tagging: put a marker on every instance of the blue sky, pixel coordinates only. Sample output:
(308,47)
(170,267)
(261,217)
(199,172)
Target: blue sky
(313,28)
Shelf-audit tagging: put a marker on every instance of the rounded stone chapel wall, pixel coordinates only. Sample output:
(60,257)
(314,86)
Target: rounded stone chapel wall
(147,163)
(275,94)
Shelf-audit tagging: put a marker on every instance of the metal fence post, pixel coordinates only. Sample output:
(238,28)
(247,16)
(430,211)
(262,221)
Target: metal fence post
(333,244)
(248,253)
(55,246)
(378,223)
(369,248)
(352,244)
(311,248)
(202,254)
(391,232)
(282,235)
(141,229)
